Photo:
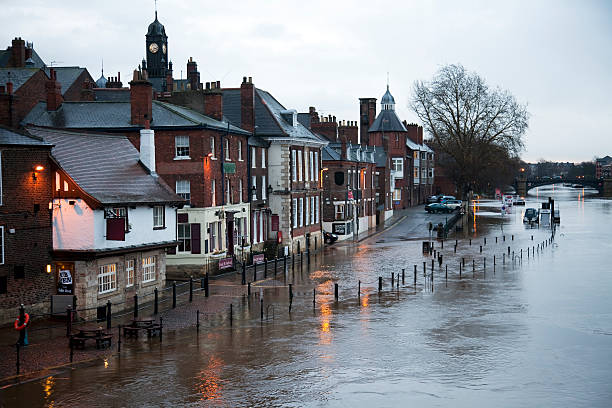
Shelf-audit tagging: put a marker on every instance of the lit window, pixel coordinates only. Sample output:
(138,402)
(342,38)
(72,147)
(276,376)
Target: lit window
(107,278)
(129,272)
(397,194)
(181,144)
(158,216)
(183,189)
(148,269)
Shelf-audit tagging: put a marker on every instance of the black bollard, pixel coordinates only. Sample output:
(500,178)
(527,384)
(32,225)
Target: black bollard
(161,329)
(336,291)
(494,260)
(504,238)
(108,315)
(173,295)
(156,302)
(254,272)
(440,260)
(261,308)
(68,320)
(379,284)
(513,237)
(231,314)
(485,240)
(359,289)
(446,274)
(275,265)
(136,306)
(460,270)
(314,297)
(470,241)
(265,269)
(503,259)
(18,359)
(403,276)
(119,341)
(392,279)
(249,290)
(432,266)
(463,261)
(415,275)
(532,237)
(243,273)
(198,320)
(190,289)
(206,289)
(508,251)
(496,240)
(473,267)
(290,291)
(455,249)
(424,268)
(521,253)
(481,249)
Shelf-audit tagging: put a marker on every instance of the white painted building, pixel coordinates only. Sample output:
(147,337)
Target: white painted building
(113,219)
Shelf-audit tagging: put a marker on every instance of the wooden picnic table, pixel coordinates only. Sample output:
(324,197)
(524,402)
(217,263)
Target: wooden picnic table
(132,329)
(98,334)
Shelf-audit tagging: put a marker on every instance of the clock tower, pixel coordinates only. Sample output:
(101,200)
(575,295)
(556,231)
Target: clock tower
(157,50)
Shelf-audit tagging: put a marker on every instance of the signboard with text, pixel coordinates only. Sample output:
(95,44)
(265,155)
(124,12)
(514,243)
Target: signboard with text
(339,229)
(226,263)
(259,258)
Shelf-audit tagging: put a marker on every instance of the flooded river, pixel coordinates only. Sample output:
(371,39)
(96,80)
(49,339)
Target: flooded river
(531,332)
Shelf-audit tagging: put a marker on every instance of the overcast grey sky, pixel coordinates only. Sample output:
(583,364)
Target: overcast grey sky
(556,56)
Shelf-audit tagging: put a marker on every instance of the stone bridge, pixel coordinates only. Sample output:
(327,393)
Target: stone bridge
(524,184)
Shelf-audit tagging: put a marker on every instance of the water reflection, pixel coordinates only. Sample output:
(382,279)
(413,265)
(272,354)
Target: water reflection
(208,380)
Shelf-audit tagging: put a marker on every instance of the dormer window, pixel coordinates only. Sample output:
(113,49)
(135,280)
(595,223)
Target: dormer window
(290,116)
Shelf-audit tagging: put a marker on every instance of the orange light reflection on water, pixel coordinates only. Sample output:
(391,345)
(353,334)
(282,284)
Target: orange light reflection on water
(209,382)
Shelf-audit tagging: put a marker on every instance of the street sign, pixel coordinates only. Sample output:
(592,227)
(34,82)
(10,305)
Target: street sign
(226,263)
(259,258)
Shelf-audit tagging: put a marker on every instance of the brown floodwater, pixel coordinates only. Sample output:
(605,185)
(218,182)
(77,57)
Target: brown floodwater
(534,331)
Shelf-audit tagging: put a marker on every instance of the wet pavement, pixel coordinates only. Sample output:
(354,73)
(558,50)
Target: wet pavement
(535,331)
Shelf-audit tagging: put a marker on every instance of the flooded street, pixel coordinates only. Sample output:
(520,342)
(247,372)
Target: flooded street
(530,332)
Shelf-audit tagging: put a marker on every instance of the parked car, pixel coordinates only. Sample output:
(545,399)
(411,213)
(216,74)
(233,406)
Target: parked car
(519,201)
(438,207)
(453,204)
(557,217)
(445,197)
(531,215)
(329,237)
(433,199)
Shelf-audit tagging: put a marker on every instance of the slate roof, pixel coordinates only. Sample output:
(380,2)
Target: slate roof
(112,94)
(605,160)
(12,137)
(66,75)
(117,115)
(257,141)
(391,122)
(268,119)
(304,119)
(106,167)
(5,55)
(328,154)
(387,98)
(18,76)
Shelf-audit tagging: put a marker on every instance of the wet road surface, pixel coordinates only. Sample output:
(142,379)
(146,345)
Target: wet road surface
(533,332)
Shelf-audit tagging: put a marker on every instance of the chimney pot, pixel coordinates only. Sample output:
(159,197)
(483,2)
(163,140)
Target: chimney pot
(250,80)
(218,84)
(244,79)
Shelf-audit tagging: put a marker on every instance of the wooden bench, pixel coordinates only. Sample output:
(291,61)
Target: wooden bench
(153,330)
(130,331)
(104,341)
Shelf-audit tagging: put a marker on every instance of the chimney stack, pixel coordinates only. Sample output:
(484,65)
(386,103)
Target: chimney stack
(147,148)
(17,58)
(213,100)
(169,79)
(87,93)
(141,98)
(54,92)
(8,113)
(367,115)
(247,105)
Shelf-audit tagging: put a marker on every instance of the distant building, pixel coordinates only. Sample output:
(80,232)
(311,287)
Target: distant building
(603,167)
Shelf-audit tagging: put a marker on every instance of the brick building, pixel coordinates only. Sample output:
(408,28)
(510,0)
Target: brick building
(113,219)
(25,224)
(201,157)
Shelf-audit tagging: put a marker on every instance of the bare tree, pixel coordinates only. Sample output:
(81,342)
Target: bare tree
(469,123)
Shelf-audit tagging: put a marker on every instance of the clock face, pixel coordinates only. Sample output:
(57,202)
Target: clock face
(153,48)
(164,48)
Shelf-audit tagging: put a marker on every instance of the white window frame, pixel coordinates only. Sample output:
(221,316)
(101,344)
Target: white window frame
(294,212)
(263,158)
(397,165)
(213,193)
(316,156)
(182,143)
(311,153)
(183,189)
(227,150)
(264,192)
(294,165)
(301,212)
(253,157)
(129,273)
(212,148)
(212,236)
(300,178)
(149,272)
(306,168)
(307,217)
(317,208)
(240,150)
(254,188)
(185,237)
(312,210)
(240,193)
(228,191)
(107,278)
(339,212)
(159,217)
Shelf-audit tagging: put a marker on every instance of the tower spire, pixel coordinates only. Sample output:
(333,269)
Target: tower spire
(387,78)
(156,9)
(102,66)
